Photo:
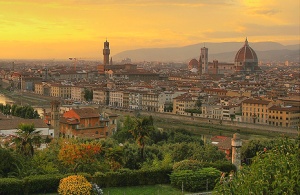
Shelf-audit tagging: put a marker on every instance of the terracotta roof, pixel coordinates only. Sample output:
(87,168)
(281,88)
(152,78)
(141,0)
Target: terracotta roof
(86,112)
(255,101)
(289,108)
(14,123)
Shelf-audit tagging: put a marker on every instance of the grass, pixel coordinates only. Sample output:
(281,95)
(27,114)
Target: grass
(143,190)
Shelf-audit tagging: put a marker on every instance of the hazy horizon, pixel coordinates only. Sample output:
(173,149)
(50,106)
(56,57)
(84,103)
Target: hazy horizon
(31,29)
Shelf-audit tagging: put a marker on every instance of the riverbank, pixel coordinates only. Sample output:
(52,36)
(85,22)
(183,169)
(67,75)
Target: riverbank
(27,98)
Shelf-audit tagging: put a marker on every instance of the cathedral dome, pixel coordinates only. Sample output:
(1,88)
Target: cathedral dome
(246,54)
(246,60)
(193,64)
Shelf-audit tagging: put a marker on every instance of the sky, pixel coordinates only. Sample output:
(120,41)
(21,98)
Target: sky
(59,29)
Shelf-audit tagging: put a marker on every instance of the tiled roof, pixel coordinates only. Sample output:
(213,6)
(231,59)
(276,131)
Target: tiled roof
(14,123)
(86,112)
(255,101)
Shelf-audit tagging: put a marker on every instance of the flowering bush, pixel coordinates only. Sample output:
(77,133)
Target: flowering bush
(96,190)
(74,184)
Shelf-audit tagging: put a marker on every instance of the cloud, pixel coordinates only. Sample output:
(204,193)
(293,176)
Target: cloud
(269,12)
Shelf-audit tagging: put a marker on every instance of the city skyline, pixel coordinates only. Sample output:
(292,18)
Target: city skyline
(76,28)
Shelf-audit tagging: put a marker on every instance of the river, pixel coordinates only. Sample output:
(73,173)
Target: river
(4,99)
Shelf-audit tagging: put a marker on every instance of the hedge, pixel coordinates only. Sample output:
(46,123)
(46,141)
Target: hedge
(195,181)
(224,166)
(132,177)
(41,183)
(11,186)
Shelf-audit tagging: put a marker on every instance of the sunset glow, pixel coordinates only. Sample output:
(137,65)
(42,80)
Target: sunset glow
(64,28)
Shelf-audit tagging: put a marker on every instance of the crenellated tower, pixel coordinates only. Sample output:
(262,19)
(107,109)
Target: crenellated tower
(106,52)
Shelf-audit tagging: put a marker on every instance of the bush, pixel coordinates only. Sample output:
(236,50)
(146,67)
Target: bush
(41,183)
(194,165)
(11,186)
(195,181)
(126,177)
(74,184)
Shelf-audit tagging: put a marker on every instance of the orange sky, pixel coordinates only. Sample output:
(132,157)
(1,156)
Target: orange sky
(77,28)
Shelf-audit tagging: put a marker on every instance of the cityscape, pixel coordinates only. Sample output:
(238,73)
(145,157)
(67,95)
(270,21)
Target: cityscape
(191,114)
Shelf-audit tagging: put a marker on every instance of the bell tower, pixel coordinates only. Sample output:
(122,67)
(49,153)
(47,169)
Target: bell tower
(204,60)
(106,52)
(55,117)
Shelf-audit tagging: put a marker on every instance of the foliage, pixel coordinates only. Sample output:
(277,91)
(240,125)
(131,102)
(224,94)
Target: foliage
(193,111)
(141,131)
(88,94)
(26,138)
(20,111)
(96,190)
(8,162)
(254,146)
(195,181)
(194,165)
(11,186)
(76,154)
(114,156)
(41,183)
(74,184)
(126,177)
(276,171)
(5,109)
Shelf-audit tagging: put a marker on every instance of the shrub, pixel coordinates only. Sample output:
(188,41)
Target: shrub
(74,184)
(224,166)
(192,165)
(41,183)
(195,181)
(126,177)
(11,186)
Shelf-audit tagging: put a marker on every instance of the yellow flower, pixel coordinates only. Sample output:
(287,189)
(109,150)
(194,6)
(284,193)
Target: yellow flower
(74,185)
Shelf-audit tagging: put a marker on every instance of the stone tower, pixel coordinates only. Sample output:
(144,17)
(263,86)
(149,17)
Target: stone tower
(204,60)
(106,52)
(55,117)
(236,144)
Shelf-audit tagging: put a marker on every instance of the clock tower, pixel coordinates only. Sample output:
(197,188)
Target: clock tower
(106,52)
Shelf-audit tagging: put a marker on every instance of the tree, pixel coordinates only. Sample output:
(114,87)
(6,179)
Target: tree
(199,102)
(26,138)
(76,154)
(88,94)
(275,171)
(141,131)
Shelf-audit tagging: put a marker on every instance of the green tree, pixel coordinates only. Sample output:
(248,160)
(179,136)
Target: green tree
(276,171)
(88,94)
(141,130)
(199,102)
(26,138)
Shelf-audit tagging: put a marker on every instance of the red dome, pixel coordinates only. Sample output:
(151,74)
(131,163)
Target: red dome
(246,54)
(193,64)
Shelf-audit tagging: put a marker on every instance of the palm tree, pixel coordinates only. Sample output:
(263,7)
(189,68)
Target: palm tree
(26,137)
(141,130)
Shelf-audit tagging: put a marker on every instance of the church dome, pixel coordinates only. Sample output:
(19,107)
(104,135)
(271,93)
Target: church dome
(246,54)
(193,64)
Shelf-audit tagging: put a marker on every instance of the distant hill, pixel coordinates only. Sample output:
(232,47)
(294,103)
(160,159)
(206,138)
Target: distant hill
(223,52)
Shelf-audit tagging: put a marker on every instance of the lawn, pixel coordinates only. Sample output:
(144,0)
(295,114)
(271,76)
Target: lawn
(143,190)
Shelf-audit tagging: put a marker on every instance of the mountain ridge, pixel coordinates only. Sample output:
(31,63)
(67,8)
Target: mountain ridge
(266,51)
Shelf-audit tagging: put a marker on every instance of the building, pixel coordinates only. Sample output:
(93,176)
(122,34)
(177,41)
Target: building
(106,52)
(203,60)
(255,111)
(246,60)
(184,102)
(284,116)
(83,123)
